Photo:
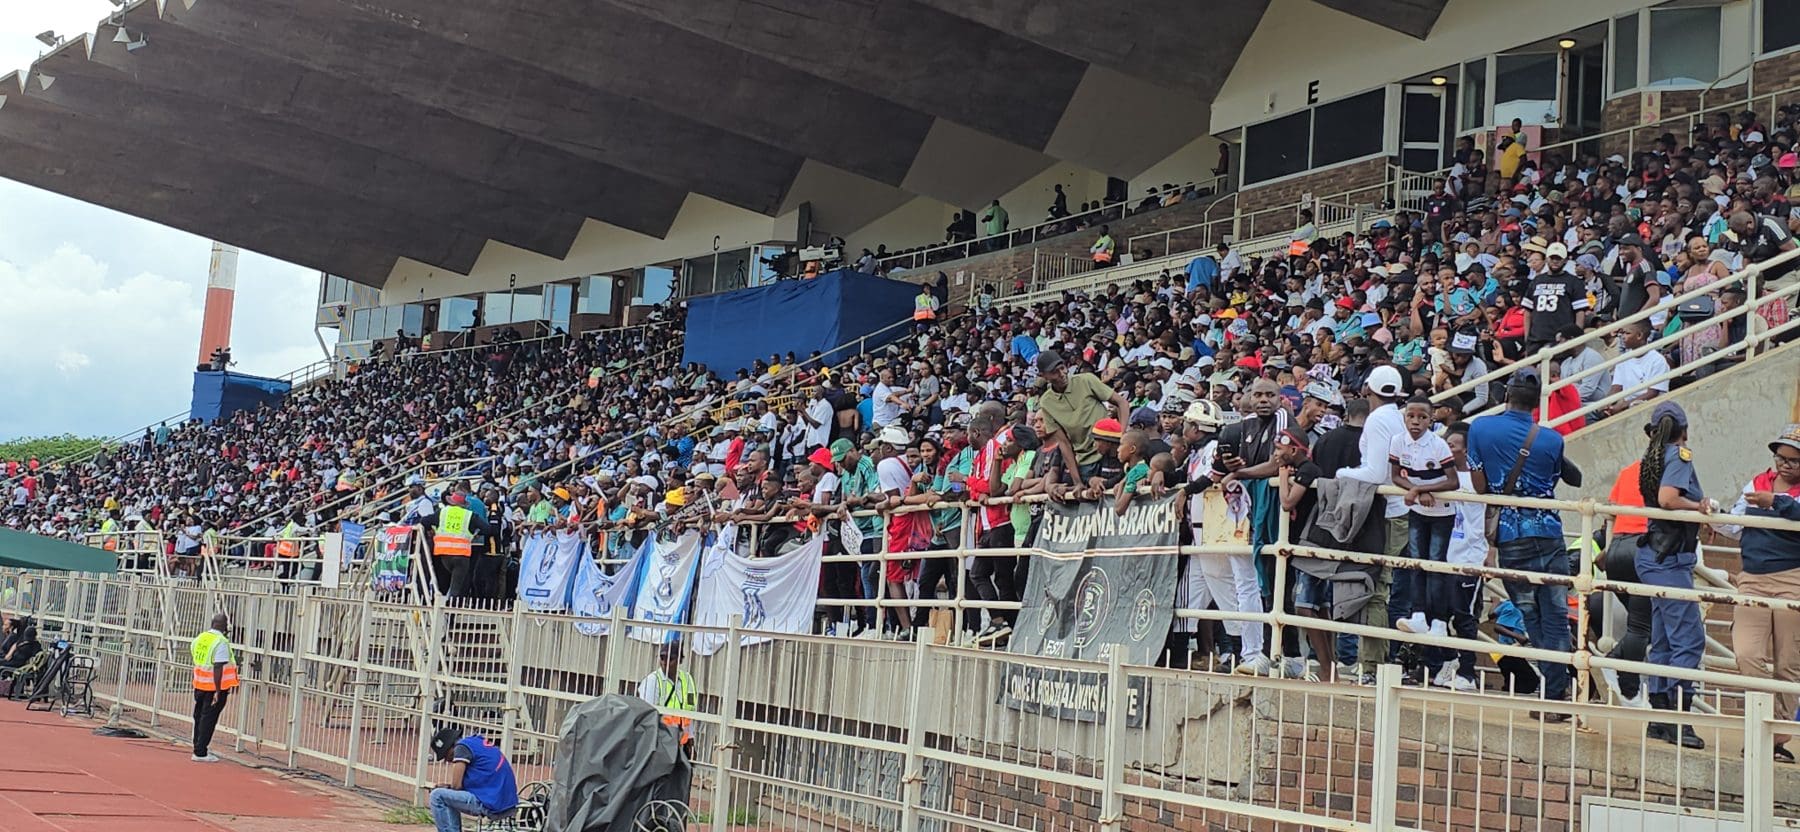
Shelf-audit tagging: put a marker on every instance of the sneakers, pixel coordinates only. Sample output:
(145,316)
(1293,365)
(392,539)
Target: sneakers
(993,635)
(209,758)
(1440,628)
(1445,675)
(1413,624)
(1295,667)
(1461,685)
(1257,665)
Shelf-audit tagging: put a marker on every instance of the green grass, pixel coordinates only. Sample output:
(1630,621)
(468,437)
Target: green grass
(736,817)
(407,816)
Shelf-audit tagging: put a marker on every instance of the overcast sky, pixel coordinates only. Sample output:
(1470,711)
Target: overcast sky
(100,311)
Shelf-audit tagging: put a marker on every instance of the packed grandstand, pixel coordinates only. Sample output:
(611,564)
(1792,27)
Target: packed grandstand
(1408,353)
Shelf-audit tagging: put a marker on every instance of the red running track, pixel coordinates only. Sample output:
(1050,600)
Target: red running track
(58,776)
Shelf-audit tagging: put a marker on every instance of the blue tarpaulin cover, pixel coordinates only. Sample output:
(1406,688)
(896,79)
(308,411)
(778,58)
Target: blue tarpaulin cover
(729,330)
(219,394)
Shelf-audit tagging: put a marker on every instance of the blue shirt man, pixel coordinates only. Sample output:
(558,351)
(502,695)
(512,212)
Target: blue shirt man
(1202,271)
(481,780)
(1025,346)
(1529,540)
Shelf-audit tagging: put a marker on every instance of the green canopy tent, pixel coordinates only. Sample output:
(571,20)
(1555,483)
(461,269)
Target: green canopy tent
(29,551)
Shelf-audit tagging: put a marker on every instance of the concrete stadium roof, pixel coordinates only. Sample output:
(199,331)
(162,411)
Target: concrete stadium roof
(345,134)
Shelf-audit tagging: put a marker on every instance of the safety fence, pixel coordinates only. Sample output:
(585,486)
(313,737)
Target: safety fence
(809,731)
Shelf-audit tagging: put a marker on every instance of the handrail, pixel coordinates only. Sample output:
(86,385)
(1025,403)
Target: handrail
(1750,342)
(1571,346)
(1689,119)
(972,246)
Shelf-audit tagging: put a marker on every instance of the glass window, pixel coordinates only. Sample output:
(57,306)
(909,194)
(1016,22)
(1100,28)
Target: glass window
(733,270)
(496,308)
(1473,93)
(456,314)
(1684,46)
(334,290)
(1780,24)
(1525,88)
(412,319)
(1348,129)
(596,295)
(1624,46)
(359,325)
(658,283)
(1276,148)
(561,302)
(528,305)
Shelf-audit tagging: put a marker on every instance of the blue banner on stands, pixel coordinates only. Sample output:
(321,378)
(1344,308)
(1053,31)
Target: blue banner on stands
(728,330)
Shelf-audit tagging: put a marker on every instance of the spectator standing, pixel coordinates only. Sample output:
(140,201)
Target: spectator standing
(1071,404)
(1392,597)
(1771,560)
(1510,454)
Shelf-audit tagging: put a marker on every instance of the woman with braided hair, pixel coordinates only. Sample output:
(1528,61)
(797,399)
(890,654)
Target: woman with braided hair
(1666,556)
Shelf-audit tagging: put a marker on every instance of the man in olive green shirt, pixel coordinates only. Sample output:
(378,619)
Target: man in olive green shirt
(1071,404)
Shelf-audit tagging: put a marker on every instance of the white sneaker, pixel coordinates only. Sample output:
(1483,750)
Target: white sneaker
(1414,624)
(870,634)
(1257,665)
(1444,675)
(210,758)
(1461,685)
(1638,701)
(1440,628)
(1295,667)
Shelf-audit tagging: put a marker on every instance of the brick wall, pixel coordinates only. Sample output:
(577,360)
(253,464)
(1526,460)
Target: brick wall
(1365,178)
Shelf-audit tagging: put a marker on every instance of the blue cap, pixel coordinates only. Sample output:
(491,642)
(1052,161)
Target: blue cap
(1525,378)
(1671,410)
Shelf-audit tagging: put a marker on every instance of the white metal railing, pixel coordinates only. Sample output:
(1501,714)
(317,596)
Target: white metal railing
(1748,278)
(1015,237)
(351,687)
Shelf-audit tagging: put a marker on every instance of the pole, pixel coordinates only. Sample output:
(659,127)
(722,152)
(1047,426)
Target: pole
(1384,794)
(427,694)
(358,685)
(912,781)
(1759,772)
(1112,804)
(727,744)
(302,626)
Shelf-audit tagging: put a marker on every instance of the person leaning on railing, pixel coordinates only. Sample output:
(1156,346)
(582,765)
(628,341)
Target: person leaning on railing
(1771,568)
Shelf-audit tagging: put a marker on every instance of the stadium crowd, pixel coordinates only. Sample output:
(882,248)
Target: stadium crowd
(1295,384)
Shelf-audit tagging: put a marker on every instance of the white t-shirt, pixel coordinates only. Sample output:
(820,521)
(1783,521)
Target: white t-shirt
(1384,423)
(893,475)
(886,410)
(825,493)
(1425,461)
(1635,371)
(819,410)
(1468,537)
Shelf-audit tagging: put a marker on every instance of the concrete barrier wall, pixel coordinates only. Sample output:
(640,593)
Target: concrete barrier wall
(1731,415)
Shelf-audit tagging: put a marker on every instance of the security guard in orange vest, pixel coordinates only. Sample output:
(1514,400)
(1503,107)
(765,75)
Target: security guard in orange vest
(453,541)
(671,688)
(215,674)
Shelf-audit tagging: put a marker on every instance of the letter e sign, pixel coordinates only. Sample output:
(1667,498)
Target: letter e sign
(1312,93)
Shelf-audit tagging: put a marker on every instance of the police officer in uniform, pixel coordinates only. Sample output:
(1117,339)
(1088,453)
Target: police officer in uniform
(1666,556)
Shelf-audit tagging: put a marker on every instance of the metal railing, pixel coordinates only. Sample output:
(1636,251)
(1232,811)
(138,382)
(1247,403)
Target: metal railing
(789,732)
(1748,278)
(1016,237)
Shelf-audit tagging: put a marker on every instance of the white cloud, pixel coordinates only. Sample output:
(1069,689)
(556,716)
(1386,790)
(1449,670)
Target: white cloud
(103,316)
(101,320)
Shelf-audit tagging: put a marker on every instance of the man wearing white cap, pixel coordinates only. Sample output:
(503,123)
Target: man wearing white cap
(1555,301)
(1385,389)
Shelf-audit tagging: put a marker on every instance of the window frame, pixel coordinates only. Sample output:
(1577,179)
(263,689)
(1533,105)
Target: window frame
(1645,30)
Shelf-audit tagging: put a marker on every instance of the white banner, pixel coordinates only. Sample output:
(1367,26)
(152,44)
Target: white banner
(596,593)
(773,595)
(665,585)
(547,567)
